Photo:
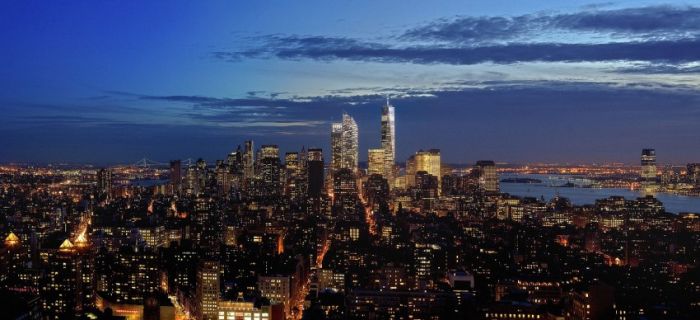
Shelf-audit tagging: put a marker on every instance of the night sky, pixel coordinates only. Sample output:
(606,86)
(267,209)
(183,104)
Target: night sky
(513,81)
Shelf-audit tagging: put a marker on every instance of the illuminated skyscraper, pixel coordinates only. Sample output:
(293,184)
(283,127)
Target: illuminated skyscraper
(345,144)
(350,143)
(648,170)
(270,170)
(104,181)
(429,161)
(388,141)
(336,146)
(376,163)
(487,176)
(248,160)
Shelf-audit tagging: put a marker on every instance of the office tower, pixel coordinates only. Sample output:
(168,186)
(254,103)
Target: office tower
(249,161)
(694,174)
(426,186)
(486,174)
(648,169)
(175,175)
(411,171)
(344,144)
(336,146)
(315,172)
(376,163)
(208,290)
(104,181)
(292,172)
(345,191)
(389,141)
(270,171)
(192,183)
(429,161)
(350,143)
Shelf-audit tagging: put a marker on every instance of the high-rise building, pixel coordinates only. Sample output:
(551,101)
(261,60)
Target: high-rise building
(487,176)
(60,290)
(248,160)
(429,161)
(376,163)
(104,181)
(336,146)
(345,191)
(648,169)
(350,143)
(292,175)
(208,290)
(315,172)
(344,144)
(270,177)
(694,173)
(389,141)
(175,175)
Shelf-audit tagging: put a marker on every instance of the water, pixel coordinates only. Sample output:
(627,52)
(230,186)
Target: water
(580,196)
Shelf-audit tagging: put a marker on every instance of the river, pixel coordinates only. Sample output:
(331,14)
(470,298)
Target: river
(580,196)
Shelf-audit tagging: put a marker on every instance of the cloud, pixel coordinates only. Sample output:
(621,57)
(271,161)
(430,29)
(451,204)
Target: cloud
(676,51)
(664,19)
(651,68)
(657,34)
(670,21)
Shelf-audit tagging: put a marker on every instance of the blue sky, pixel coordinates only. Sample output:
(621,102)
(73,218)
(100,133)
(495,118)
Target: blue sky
(515,81)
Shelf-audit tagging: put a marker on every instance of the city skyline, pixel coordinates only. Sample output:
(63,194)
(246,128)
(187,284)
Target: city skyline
(579,82)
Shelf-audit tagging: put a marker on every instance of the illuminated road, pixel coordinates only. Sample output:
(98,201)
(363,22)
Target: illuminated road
(304,290)
(369,217)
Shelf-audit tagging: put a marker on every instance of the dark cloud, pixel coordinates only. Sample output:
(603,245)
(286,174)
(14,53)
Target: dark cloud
(657,34)
(671,21)
(675,51)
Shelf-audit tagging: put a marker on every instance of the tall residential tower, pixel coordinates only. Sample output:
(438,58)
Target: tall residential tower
(345,144)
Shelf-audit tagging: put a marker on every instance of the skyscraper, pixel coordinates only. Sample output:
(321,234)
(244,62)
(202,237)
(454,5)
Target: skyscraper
(376,163)
(336,146)
(388,141)
(487,176)
(344,144)
(648,170)
(270,170)
(248,160)
(694,173)
(315,172)
(104,181)
(175,175)
(429,161)
(350,143)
